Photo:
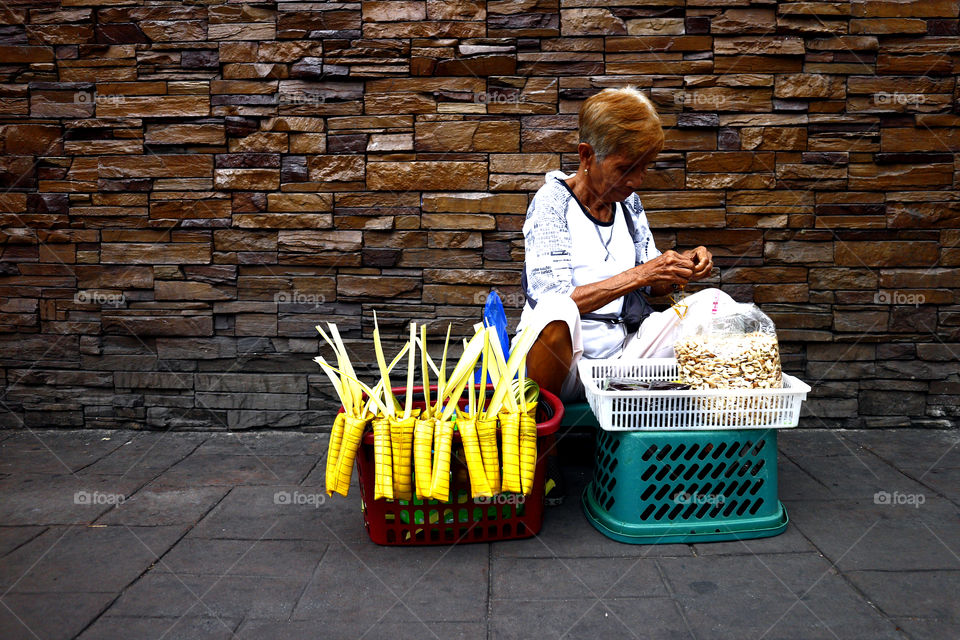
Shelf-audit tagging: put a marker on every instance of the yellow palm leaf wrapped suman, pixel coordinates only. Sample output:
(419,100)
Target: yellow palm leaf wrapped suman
(443,443)
(451,391)
(504,406)
(423,429)
(353,429)
(401,441)
(487,439)
(333,452)
(479,486)
(510,439)
(348,427)
(382,460)
(528,449)
(423,456)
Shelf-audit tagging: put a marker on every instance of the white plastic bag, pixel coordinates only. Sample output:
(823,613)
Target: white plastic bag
(729,345)
(662,329)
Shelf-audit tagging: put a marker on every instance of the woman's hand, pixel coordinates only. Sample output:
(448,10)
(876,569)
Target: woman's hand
(702,262)
(660,274)
(667,269)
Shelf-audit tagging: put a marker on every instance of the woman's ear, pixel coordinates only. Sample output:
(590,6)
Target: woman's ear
(585,151)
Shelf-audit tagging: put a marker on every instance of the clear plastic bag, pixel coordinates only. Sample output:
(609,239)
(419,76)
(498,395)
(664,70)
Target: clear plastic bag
(728,345)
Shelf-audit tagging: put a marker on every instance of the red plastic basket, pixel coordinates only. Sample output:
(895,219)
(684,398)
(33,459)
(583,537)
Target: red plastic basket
(426,522)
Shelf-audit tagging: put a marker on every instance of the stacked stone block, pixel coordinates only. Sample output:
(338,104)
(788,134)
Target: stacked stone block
(187,189)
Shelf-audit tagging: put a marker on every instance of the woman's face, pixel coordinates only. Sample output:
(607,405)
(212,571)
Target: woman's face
(618,176)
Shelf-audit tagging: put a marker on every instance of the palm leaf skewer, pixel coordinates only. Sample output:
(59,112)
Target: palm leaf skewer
(402,430)
(382,449)
(467,425)
(528,434)
(442,433)
(424,425)
(452,390)
(487,423)
(347,431)
(503,395)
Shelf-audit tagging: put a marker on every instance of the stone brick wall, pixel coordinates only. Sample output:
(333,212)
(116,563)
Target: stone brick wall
(187,189)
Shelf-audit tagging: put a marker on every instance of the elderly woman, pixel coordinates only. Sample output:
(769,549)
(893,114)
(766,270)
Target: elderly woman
(589,249)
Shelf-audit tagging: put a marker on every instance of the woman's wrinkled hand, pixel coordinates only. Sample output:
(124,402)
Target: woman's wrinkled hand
(668,268)
(702,262)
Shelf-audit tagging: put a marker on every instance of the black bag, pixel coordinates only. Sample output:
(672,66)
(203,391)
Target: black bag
(635,306)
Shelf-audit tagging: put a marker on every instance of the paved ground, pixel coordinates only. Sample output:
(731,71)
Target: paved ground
(200,549)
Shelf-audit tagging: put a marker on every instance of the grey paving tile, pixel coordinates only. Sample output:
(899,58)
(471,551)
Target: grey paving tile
(13,537)
(819,443)
(572,578)
(945,480)
(912,594)
(354,619)
(864,535)
(256,512)
(928,629)
(56,451)
(50,616)
(39,499)
(647,618)
(269,558)
(793,483)
(853,477)
(784,596)
(790,541)
(19,462)
(220,469)
(164,505)
(146,454)
(232,598)
(567,533)
(317,476)
(362,582)
(189,628)
(77,559)
(272,443)
(912,447)
(339,628)
(291,576)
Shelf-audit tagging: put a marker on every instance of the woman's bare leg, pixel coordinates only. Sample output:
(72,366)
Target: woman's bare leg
(548,360)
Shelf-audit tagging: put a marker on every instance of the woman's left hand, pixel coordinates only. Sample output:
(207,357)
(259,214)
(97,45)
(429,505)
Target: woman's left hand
(702,262)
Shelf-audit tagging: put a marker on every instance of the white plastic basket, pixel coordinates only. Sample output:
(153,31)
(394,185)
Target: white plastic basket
(699,410)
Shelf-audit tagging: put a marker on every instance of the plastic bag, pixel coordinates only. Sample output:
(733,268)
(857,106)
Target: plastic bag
(722,315)
(728,345)
(494,316)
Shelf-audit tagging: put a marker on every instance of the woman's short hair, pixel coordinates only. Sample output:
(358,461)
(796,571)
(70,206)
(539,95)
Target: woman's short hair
(621,120)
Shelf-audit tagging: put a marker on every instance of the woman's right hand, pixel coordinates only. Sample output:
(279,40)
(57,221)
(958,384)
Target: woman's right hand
(667,269)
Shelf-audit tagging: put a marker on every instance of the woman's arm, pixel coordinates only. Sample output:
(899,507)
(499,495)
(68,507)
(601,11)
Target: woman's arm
(660,274)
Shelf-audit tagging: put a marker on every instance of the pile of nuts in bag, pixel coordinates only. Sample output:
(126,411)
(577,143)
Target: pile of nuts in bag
(729,361)
(728,345)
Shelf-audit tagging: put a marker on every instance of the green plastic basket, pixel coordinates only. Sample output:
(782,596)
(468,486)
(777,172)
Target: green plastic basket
(654,487)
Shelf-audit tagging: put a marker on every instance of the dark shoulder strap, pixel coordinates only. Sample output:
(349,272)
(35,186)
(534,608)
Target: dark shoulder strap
(630,226)
(526,290)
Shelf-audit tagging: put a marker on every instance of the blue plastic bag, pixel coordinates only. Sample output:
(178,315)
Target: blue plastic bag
(494,316)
